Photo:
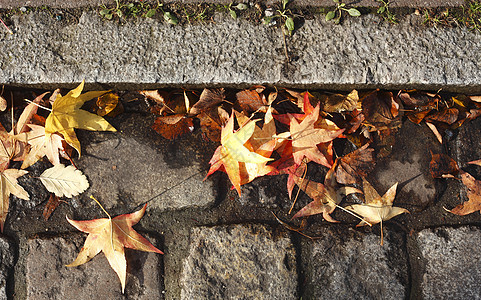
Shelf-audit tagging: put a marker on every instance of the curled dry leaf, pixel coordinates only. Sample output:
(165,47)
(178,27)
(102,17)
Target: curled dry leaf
(377,209)
(474,196)
(171,127)
(441,165)
(9,185)
(338,102)
(64,181)
(52,204)
(207,100)
(380,108)
(109,105)
(155,95)
(3,104)
(433,128)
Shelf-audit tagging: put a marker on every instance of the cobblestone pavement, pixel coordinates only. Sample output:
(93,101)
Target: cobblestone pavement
(218,245)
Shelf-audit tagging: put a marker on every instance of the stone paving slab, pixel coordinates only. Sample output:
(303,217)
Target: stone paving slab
(300,3)
(119,176)
(6,263)
(361,53)
(451,257)
(408,164)
(47,277)
(346,264)
(239,262)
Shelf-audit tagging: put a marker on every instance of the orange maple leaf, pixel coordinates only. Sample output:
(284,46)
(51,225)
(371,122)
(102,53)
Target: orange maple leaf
(111,236)
(305,136)
(232,151)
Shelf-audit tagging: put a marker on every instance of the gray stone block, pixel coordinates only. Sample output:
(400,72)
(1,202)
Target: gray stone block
(6,263)
(451,257)
(364,52)
(346,264)
(241,261)
(135,165)
(408,164)
(47,277)
(361,53)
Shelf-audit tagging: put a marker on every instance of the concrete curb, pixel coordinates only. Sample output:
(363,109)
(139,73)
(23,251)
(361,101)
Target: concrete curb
(361,53)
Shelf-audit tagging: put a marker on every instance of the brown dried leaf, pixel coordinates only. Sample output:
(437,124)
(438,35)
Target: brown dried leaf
(251,101)
(380,108)
(172,131)
(208,99)
(474,196)
(441,164)
(155,95)
(448,116)
(339,102)
(352,167)
(52,204)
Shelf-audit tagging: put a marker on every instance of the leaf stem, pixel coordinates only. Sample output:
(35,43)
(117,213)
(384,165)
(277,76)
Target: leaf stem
(29,101)
(92,197)
(8,29)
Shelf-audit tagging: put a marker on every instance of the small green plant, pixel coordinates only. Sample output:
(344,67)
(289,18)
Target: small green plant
(472,15)
(136,9)
(285,15)
(231,8)
(384,11)
(336,14)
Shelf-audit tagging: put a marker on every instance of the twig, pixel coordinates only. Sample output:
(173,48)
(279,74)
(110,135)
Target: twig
(8,29)
(286,52)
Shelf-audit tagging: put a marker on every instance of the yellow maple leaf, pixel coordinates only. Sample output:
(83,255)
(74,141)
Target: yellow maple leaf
(67,115)
(112,235)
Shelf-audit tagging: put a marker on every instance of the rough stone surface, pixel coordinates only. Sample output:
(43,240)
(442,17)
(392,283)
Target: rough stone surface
(466,147)
(233,262)
(452,258)
(357,3)
(6,263)
(135,165)
(362,53)
(408,165)
(48,278)
(347,264)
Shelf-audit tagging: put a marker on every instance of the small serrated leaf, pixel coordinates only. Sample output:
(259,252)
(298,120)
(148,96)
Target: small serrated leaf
(354,12)
(381,10)
(64,181)
(330,15)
